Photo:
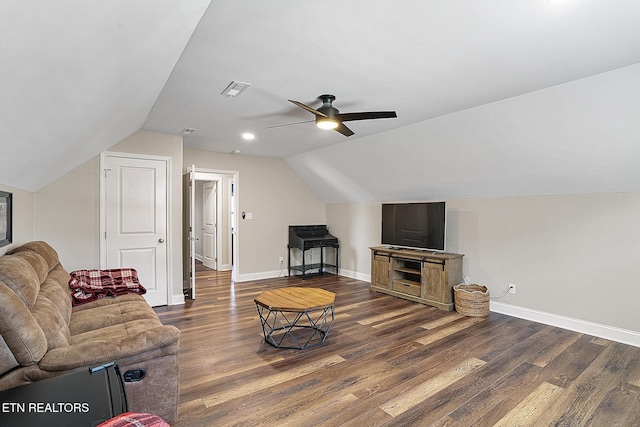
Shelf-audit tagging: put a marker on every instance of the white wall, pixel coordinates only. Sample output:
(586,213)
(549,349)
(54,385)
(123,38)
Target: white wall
(270,190)
(67,216)
(573,256)
(23,217)
(357,226)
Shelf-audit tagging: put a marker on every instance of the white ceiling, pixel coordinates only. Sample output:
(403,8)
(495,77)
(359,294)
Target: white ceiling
(494,97)
(77,77)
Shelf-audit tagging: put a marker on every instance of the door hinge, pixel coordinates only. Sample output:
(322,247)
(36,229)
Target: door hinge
(105,234)
(105,172)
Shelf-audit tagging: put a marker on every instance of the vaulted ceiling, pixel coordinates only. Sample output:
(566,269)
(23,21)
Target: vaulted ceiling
(494,98)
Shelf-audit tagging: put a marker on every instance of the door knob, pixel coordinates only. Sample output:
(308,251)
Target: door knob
(161,240)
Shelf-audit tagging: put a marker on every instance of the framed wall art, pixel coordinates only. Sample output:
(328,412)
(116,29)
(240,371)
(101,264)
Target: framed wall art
(6,219)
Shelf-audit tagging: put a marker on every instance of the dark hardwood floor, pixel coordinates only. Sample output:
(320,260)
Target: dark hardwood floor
(391,362)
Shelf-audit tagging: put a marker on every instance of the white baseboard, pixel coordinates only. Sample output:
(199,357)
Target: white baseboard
(355,275)
(177,299)
(261,275)
(624,336)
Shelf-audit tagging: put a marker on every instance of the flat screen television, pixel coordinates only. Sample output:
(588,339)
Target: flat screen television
(414,225)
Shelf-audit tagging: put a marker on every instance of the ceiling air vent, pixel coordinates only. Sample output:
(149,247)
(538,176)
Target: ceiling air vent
(235,88)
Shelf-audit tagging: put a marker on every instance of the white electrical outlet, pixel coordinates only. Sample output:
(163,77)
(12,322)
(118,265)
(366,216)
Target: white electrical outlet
(281,260)
(512,288)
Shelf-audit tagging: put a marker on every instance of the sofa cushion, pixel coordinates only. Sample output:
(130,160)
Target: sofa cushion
(116,332)
(20,277)
(38,263)
(111,314)
(136,338)
(59,296)
(41,248)
(48,316)
(7,360)
(19,329)
(108,301)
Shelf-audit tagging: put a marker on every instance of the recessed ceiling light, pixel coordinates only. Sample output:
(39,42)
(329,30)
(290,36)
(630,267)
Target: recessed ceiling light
(235,152)
(248,136)
(235,88)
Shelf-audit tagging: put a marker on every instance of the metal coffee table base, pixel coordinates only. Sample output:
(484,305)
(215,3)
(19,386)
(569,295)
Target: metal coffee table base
(294,329)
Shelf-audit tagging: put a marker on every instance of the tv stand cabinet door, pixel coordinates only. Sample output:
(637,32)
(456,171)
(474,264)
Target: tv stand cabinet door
(434,283)
(438,280)
(381,270)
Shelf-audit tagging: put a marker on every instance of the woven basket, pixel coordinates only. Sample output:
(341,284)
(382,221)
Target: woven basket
(471,300)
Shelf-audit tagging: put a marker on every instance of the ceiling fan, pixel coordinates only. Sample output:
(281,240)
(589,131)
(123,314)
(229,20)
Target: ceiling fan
(328,116)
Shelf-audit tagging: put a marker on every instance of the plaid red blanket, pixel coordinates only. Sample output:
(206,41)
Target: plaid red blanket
(90,285)
(131,419)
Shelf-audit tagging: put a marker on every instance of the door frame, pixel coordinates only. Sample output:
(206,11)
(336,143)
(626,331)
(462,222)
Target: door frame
(201,174)
(103,211)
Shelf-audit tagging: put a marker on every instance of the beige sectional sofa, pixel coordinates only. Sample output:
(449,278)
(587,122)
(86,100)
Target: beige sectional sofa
(43,335)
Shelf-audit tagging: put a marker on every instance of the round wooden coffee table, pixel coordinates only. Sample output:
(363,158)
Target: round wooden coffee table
(296,317)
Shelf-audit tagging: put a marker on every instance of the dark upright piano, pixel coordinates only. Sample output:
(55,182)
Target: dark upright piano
(306,237)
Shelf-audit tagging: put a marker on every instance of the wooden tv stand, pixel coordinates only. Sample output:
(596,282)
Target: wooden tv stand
(422,276)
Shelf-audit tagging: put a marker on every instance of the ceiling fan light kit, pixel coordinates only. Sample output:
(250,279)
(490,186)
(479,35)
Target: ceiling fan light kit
(326,123)
(328,117)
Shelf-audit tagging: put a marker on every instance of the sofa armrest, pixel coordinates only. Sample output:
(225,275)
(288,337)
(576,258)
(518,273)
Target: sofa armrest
(96,351)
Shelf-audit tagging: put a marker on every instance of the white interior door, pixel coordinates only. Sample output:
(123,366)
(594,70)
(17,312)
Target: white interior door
(135,223)
(209,224)
(188,243)
(192,234)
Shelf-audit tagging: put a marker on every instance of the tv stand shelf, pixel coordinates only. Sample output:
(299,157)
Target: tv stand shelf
(422,276)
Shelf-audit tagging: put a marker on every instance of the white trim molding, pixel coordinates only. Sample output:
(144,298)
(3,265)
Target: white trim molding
(177,299)
(624,336)
(247,277)
(355,275)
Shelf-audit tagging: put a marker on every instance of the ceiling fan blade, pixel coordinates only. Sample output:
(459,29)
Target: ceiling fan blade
(344,130)
(328,111)
(346,117)
(289,124)
(306,107)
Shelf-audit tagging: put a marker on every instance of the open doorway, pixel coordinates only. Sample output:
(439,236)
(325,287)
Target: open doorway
(209,206)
